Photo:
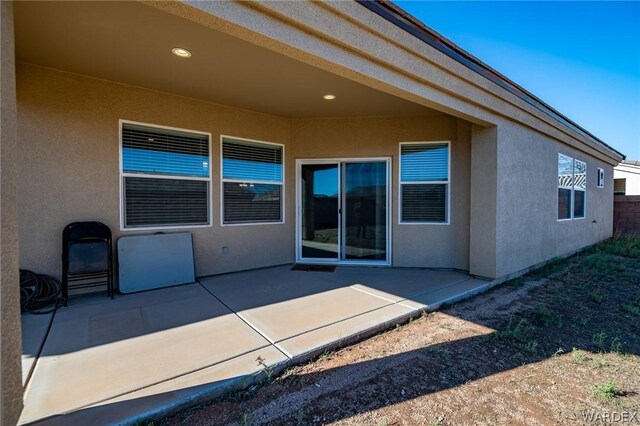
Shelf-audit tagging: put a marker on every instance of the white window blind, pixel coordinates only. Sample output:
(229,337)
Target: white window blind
(166,177)
(424,182)
(252,182)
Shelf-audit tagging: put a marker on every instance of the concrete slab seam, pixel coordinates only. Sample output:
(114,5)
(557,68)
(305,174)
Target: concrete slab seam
(247,322)
(334,322)
(371,294)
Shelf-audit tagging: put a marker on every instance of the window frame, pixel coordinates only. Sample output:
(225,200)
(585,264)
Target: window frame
(600,178)
(573,188)
(447,182)
(573,198)
(223,180)
(122,175)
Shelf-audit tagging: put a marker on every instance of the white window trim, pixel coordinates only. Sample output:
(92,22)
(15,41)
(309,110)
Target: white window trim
(586,184)
(223,180)
(600,181)
(447,182)
(298,196)
(122,175)
(573,188)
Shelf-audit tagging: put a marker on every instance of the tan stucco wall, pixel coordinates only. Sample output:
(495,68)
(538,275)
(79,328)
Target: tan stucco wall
(69,170)
(528,231)
(483,205)
(444,246)
(10,348)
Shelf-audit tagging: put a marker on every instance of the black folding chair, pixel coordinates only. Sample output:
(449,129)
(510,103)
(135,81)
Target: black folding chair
(86,257)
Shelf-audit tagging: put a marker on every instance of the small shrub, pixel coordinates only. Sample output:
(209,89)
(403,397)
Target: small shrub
(607,390)
(246,419)
(517,333)
(325,356)
(616,345)
(628,308)
(531,347)
(623,245)
(598,363)
(595,297)
(582,321)
(579,355)
(599,340)
(268,369)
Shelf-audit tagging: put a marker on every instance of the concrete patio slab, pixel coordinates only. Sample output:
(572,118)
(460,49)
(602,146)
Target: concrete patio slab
(34,333)
(306,345)
(130,343)
(251,289)
(451,293)
(120,361)
(283,320)
(182,391)
(406,284)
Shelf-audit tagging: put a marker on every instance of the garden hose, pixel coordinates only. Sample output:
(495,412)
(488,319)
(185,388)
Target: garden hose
(38,291)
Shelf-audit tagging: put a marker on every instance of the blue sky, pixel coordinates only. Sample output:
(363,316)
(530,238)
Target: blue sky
(582,58)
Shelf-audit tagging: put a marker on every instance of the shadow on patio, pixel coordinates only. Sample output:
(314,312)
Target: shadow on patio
(99,350)
(492,345)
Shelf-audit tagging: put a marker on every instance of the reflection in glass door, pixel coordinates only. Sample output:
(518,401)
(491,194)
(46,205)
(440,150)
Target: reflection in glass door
(343,211)
(320,211)
(365,211)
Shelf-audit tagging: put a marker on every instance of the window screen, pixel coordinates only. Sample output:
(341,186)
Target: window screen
(424,182)
(252,182)
(165,176)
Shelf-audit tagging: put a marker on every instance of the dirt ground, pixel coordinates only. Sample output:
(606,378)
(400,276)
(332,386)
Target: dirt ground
(558,346)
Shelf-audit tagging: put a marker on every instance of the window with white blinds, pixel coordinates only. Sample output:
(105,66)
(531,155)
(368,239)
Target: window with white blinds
(166,177)
(572,188)
(252,182)
(424,182)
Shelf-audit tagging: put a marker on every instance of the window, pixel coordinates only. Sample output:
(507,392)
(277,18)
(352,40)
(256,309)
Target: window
(572,188)
(600,178)
(579,188)
(165,177)
(252,182)
(424,182)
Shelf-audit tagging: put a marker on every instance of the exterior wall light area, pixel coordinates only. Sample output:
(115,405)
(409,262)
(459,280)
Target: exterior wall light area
(329,97)
(181,52)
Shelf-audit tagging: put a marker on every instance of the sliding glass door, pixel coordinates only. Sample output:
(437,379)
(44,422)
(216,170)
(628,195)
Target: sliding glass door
(343,211)
(320,218)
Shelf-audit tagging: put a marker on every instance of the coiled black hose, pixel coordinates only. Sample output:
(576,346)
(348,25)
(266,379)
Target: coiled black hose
(38,291)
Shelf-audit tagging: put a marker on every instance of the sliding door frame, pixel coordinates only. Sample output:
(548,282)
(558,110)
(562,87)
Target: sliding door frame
(341,219)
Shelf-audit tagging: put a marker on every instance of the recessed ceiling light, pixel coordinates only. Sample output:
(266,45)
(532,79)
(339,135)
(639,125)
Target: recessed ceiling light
(181,52)
(329,97)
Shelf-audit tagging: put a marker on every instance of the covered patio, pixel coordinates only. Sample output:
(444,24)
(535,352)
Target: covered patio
(101,361)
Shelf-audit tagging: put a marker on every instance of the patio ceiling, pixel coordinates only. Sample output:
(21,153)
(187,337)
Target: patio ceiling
(131,43)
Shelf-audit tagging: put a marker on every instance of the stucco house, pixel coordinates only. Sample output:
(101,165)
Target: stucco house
(626,178)
(281,132)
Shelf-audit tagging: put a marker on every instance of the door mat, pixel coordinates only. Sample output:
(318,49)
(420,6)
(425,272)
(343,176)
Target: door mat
(313,268)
